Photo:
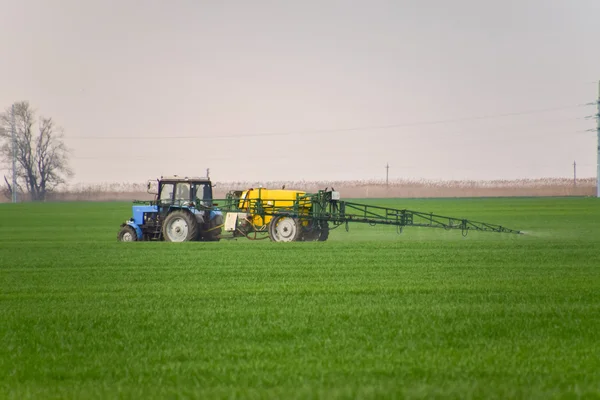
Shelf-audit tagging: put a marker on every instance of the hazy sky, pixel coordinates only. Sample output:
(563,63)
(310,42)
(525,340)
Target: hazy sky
(271,90)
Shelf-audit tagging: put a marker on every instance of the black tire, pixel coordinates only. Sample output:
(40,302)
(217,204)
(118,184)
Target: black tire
(324,234)
(311,233)
(214,233)
(127,234)
(180,226)
(317,232)
(310,236)
(292,231)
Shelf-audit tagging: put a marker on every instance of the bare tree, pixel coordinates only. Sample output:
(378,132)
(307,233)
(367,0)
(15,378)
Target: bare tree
(41,155)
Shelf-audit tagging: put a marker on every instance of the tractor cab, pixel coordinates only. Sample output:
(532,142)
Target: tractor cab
(180,192)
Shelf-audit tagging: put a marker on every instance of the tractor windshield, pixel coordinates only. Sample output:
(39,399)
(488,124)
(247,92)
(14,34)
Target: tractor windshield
(183,191)
(204,193)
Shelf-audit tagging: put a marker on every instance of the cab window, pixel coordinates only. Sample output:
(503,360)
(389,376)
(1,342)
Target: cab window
(166,193)
(203,193)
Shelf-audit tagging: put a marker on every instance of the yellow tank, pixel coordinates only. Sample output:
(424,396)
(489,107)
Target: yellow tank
(274,199)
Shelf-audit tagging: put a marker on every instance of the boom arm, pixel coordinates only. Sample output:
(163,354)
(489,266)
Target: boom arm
(355,212)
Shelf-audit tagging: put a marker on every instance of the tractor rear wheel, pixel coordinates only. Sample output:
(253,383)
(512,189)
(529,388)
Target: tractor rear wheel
(127,234)
(285,229)
(180,226)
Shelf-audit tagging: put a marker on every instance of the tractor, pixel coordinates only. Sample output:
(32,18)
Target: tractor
(183,210)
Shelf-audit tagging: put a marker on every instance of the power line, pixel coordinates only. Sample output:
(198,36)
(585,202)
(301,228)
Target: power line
(318,131)
(455,135)
(473,167)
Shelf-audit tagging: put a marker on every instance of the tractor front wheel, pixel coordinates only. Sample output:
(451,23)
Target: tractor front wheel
(180,226)
(127,234)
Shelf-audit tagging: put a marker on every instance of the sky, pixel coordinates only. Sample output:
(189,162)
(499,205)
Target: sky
(309,90)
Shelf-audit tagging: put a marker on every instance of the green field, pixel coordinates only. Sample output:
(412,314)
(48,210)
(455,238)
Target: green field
(367,314)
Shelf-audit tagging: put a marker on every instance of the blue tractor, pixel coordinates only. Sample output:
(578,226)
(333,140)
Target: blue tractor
(182,211)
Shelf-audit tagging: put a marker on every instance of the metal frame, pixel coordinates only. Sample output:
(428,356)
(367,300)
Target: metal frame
(322,207)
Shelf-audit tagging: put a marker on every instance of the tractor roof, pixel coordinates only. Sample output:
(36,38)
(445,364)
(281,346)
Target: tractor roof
(176,178)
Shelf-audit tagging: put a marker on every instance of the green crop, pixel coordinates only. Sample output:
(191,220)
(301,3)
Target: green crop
(367,314)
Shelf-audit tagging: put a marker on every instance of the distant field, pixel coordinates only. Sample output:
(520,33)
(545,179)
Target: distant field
(398,188)
(367,314)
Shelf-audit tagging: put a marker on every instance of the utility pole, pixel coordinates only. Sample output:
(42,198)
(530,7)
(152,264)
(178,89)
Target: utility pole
(574,174)
(14,151)
(387,174)
(598,156)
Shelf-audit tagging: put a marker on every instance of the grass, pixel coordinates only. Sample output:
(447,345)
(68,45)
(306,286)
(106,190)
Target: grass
(367,314)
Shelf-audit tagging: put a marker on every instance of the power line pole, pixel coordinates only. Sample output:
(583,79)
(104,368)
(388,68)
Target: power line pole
(598,156)
(14,151)
(574,174)
(387,174)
